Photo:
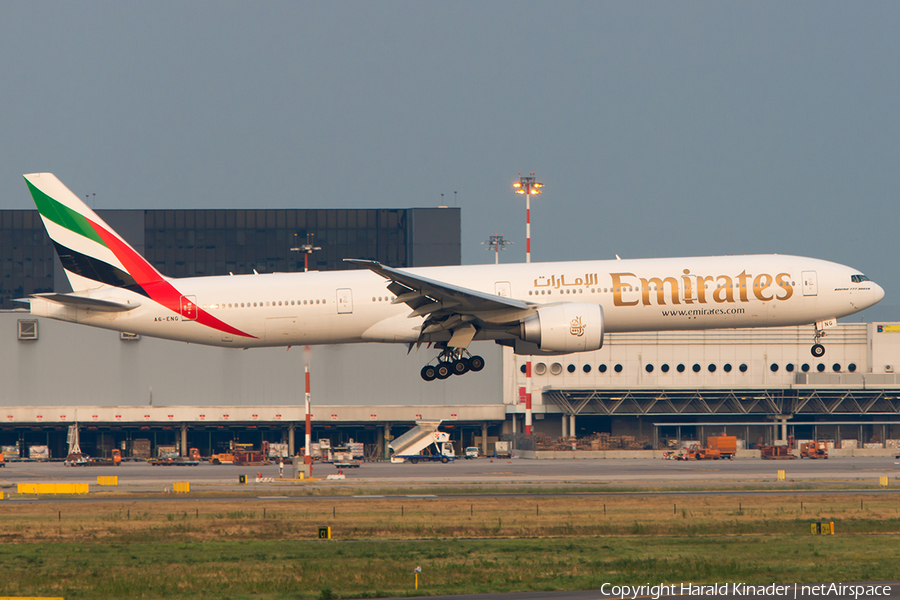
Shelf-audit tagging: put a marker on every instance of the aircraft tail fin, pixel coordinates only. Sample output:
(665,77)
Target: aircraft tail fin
(92,254)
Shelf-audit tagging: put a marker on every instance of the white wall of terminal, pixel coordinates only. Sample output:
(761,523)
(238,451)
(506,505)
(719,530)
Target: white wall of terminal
(71,368)
(858,356)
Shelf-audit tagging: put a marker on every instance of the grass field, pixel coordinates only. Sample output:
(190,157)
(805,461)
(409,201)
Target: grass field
(269,550)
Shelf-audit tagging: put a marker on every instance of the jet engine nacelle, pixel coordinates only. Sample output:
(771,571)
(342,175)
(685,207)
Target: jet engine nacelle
(574,327)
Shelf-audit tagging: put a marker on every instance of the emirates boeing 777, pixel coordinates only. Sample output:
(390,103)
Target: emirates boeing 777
(536,308)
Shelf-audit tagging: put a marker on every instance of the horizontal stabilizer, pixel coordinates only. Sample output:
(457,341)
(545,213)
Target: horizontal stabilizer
(86,303)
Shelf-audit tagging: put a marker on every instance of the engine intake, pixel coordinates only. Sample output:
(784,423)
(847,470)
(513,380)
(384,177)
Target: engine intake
(573,327)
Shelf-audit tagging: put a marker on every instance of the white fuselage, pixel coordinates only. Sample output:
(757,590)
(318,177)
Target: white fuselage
(352,306)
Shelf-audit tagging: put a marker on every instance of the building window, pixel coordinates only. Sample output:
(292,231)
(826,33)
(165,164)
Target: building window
(571,368)
(743,368)
(789,367)
(680,368)
(804,367)
(649,368)
(727,367)
(820,367)
(540,369)
(555,369)
(696,368)
(28,329)
(712,368)
(602,368)
(836,367)
(618,368)
(586,368)
(665,368)
(852,367)
(774,367)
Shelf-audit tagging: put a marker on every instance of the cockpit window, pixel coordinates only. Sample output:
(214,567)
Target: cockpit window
(858,278)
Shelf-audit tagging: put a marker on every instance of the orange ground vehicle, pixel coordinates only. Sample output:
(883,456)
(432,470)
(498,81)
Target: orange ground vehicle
(720,446)
(813,450)
(726,445)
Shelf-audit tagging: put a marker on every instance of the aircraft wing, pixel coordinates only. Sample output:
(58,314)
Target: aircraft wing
(86,303)
(447,307)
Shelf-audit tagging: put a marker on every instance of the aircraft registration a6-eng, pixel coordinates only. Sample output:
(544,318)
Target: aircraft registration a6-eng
(536,308)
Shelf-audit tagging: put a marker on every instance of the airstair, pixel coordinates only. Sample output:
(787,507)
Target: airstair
(415,440)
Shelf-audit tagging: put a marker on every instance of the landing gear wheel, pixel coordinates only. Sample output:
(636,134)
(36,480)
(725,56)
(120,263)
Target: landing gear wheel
(818,350)
(429,372)
(460,367)
(476,363)
(443,371)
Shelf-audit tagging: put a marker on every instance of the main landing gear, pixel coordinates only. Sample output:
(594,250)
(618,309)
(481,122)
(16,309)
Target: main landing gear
(452,361)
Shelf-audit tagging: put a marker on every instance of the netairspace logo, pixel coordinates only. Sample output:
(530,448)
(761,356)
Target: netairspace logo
(793,591)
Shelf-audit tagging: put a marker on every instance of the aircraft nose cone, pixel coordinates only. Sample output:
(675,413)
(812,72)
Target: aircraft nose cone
(877,293)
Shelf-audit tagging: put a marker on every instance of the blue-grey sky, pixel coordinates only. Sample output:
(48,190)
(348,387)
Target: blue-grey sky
(658,128)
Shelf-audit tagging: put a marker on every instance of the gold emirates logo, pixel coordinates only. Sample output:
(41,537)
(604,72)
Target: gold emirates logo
(576,327)
(693,288)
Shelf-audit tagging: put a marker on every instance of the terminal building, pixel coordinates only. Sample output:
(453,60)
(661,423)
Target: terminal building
(646,389)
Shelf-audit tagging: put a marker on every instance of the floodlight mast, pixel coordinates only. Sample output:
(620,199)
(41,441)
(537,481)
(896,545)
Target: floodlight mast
(307,249)
(529,186)
(496,243)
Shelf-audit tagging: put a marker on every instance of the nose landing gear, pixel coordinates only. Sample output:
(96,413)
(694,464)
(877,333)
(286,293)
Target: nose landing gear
(452,361)
(818,350)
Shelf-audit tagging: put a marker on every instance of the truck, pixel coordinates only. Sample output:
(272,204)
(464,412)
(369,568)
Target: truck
(240,454)
(83,460)
(726,445)
(423,443)
(177,461)
(501,450)
(717,447)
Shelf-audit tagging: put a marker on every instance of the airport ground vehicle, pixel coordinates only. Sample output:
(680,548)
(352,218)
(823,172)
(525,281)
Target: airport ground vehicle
(472,452)
(176,461)
(241,454)
(813,450)
(423,443)
(83,460)
(717,447)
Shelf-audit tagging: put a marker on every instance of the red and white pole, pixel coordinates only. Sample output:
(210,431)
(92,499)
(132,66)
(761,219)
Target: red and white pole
(308,453)
(528,397)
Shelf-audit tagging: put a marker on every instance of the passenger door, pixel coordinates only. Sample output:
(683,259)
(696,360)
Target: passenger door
(344,301)
(810,283)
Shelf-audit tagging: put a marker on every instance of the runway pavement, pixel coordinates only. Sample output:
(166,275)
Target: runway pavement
(608,473)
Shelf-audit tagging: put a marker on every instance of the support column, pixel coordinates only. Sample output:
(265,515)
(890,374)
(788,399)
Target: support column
(387,441)
(515,418)
(572,431)
(565,422)
(291,442)
(484,432)
(784,435)
(184,448)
